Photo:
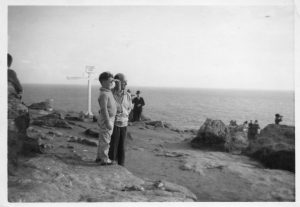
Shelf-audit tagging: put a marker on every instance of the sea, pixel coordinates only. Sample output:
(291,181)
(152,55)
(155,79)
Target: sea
(181,107)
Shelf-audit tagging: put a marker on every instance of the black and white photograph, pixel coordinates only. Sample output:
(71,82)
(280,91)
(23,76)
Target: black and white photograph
(149,102)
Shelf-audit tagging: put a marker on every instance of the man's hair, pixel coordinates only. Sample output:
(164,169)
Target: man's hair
(105,76)
(9,60)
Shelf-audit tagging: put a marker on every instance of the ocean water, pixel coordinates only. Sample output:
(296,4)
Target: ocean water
(183,108)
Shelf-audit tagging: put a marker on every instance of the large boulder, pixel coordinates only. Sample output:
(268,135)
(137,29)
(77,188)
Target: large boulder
(212,134)
(36,141)
(44,105)
(18,122)
(275,147)
(238,141)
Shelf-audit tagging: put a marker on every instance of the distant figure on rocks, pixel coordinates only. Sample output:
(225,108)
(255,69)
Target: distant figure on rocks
(250,130)
(245,126)
(130,118)
(233,123)
(253,130)
(278,118)
(107,115)
(124,106)
(138,102)
(18,117)
(256,129)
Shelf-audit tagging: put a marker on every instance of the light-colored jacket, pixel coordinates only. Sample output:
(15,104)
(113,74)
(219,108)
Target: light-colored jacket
(108,108)
(124,106)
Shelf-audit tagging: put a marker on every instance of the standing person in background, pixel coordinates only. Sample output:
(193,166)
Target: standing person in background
(124,106)
(256,129)
(278,118)
(130,119)
(138,106)
(106,120)
(250,130)
(245,126)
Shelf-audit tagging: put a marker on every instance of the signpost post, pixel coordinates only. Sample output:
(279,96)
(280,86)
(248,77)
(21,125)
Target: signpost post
(89,70)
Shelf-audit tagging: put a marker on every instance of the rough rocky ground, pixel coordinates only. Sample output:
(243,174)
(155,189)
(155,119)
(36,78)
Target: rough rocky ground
(160,166)
(211,175)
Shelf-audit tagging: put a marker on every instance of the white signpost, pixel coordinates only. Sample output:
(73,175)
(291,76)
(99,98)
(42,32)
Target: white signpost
(89,70)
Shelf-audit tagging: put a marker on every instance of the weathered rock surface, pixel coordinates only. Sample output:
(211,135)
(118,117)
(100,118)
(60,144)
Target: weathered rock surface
(213,134)
(92,132)
(275,147)
(211,175)
(156,123)
(241,178)
(54,119)
(41,106)
(238,140)
(74,116)
(49,179)
(144,117)
(18,122)
(83,141)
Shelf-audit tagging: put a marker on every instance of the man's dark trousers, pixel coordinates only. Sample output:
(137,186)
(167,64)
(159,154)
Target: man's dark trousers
(117,145)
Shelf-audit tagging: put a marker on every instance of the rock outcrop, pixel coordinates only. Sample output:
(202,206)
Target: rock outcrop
(156,123)
(74,116)
(275,147)
(54,119)
(213,134)
(44,105)
(238,140)
(18,122)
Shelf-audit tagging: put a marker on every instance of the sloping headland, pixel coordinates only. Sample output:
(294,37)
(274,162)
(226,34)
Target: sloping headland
(162,163)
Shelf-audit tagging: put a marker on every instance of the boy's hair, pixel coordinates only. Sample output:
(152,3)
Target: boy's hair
(9,60)
(105,76)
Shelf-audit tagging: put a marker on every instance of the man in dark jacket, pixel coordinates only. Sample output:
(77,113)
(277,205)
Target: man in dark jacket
(138,106)
(278,118)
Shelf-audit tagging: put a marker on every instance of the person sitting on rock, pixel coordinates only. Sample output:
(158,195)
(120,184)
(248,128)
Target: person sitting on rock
(14,85)
(278,118)
(14,92)
(138,106)
(107,113)
(18,117)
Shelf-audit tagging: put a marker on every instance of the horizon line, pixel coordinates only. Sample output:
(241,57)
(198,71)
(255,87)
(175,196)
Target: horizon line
(174,87)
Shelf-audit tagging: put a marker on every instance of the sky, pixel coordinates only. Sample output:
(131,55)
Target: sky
(213,46)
